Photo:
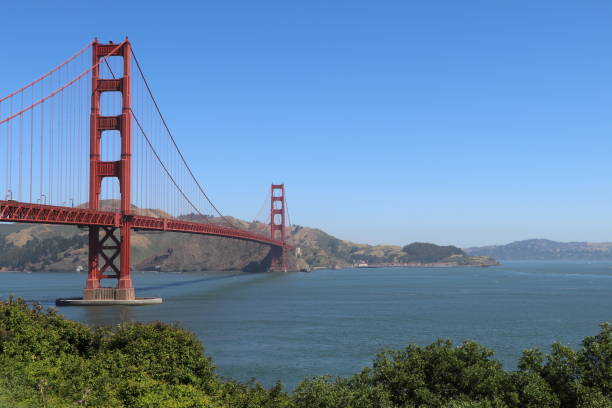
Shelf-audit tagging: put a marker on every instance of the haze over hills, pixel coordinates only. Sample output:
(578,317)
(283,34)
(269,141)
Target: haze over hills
(545,249)
(63,248)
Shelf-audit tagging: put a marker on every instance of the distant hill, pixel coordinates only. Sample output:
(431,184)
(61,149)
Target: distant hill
(63,248)
(545,249)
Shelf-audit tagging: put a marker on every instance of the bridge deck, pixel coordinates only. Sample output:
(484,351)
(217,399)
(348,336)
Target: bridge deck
(15,211)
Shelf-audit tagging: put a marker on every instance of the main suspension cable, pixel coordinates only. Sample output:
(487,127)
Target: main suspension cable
(174,141)
(164,166)
(48,73)
(52,94)
(157,155)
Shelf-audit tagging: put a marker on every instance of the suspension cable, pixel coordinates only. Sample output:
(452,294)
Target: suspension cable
(62,88)
(48,73)
(287,207)
(174,141)
(157,155)
(164,166)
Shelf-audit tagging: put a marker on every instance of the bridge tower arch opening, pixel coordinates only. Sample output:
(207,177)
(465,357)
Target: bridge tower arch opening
(56,138)
(277,227)
(109,244)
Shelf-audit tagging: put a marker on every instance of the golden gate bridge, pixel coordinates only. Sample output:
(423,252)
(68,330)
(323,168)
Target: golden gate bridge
(90,131)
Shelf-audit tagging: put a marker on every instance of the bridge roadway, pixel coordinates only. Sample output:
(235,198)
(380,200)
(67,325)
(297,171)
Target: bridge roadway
(15,211)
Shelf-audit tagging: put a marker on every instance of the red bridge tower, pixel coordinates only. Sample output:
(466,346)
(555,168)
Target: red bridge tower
(277,224)
(107,246)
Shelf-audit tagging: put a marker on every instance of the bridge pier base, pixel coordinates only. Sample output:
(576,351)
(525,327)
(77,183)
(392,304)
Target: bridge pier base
(109,246)
(107,302)
(99,294)
(112,245)
(125,294)
(109,294)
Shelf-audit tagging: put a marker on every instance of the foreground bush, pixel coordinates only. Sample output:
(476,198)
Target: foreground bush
(48,361)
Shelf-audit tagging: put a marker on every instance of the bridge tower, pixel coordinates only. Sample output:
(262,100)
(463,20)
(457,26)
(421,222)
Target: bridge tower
(277,225)
(104,244)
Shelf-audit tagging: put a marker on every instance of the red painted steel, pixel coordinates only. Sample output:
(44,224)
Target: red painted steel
(277,210)
(52,94)
(110,231)
(82,50)
(14,211)
(173,225)
(120,169)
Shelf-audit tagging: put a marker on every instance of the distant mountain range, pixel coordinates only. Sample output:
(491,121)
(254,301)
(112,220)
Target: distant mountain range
(545,249)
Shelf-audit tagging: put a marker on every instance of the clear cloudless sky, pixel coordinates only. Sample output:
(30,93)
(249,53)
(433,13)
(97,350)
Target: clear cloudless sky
(456,122)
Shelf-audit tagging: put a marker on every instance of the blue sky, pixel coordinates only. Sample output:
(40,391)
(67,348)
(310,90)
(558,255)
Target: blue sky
(463,122)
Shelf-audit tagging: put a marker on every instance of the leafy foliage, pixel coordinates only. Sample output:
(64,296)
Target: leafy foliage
(426,253)
(48,361)
(44,251)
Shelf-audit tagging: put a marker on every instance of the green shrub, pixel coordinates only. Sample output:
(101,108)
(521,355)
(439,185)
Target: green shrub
(48,361)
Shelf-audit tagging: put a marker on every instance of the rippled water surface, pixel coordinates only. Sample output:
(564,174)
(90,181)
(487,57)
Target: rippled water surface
(290,326)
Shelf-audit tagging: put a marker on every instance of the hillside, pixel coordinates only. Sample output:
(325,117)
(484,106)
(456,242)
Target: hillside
(544,249)
(61,248)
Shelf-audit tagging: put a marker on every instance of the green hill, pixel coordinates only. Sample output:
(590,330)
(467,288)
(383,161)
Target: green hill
(37,247)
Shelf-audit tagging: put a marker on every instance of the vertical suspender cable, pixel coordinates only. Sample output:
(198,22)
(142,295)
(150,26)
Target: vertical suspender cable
(60,136)
(42,144)
(51,135)
(199,186)
(31,142)
(20,169)
(9,151)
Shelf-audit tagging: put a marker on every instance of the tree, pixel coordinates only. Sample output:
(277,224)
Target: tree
(427,253)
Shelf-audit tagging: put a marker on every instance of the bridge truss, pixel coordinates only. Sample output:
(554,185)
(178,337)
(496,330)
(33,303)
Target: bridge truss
(132,158)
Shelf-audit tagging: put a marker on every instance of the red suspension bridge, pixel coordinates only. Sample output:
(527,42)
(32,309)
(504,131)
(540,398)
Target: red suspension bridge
(135,177)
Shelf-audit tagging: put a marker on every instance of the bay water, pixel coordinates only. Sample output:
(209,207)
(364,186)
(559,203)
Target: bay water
(287,327)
